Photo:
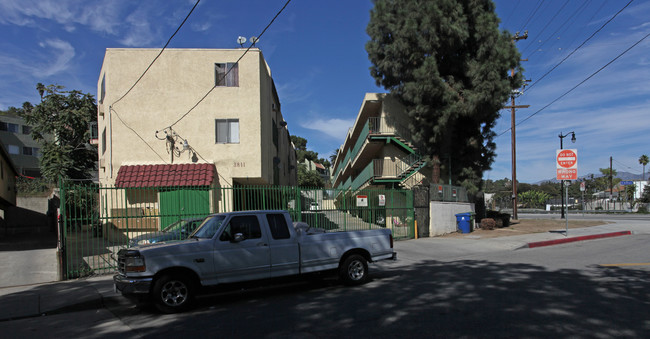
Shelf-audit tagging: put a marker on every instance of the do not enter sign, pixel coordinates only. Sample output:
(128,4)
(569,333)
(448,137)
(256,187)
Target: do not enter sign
(567,164)
(567,158)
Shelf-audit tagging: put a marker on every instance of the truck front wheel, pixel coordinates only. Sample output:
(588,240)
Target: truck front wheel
(354,270)
(172,294)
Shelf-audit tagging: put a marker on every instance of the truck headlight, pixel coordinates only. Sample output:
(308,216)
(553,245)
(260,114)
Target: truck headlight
(135,264)
(144,242)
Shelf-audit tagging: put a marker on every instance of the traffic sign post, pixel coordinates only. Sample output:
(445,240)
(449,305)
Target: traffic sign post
(566,164)
(566,161)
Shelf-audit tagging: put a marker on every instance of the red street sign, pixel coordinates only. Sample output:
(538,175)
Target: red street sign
(566,161)
(567,158)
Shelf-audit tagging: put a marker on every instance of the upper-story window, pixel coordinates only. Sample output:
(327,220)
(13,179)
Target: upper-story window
(227,131)
(13,149)
(227,74)
(9,127)
(31,151)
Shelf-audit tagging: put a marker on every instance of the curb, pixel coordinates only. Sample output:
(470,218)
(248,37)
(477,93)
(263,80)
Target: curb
(574,239)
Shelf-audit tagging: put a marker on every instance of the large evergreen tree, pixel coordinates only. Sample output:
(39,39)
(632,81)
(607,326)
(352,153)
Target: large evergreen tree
(65,115)
(448,63)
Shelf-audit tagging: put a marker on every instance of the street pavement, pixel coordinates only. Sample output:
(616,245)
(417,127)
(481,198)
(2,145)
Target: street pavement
(52,309)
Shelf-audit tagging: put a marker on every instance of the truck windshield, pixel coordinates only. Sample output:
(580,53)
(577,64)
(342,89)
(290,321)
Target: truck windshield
(209,227)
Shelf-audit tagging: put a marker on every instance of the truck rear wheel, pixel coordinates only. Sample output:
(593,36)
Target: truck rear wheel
(172,293)
(354,270)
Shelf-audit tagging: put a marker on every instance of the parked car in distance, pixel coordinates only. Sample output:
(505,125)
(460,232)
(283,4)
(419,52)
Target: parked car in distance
(178,230)
(313,206)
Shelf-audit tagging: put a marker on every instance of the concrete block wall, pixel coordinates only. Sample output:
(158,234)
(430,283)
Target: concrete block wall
(443,216)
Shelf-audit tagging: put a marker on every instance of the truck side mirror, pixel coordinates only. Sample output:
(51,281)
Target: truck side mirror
(238,237)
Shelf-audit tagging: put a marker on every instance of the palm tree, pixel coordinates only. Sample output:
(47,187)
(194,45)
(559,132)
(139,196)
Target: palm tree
(643,160)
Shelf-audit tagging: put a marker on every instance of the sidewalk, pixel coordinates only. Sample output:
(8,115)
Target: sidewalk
(22,302)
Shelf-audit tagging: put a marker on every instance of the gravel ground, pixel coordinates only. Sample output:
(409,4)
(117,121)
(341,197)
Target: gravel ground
(527,226)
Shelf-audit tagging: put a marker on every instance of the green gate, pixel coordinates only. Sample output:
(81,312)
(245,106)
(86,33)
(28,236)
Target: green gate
(97,221)
(183,203)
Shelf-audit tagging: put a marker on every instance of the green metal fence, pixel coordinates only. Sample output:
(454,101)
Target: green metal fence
(97,221)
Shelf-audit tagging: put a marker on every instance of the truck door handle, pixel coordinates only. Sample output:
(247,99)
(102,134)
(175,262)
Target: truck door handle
(262,244)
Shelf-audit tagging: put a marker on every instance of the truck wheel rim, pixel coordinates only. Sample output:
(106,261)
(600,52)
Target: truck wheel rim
(174,293)
(356,270)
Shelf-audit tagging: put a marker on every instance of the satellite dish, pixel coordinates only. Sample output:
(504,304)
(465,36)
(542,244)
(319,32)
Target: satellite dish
(254,40)
(241,41)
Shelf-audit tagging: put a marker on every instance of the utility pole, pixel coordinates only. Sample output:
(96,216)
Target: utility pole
(611,182)
(515,216)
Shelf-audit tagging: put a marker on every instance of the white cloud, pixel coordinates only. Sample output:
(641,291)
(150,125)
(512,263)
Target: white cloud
(63,53)
(335,128)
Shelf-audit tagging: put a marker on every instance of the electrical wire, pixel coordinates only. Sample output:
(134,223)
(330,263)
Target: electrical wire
(228,71)
(157,56)
(559,29)
(546,26)
(624,165)
(532,15)
(578,85)
(136,133)
(577,48)
(513,10)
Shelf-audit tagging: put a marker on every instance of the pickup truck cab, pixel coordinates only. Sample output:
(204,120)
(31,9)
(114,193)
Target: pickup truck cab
(245,246)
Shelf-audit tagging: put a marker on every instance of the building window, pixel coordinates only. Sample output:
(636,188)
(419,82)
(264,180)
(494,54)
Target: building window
(227,74)
(104,141)
(102,92)
(27,129)
(227,131)
(13,149)
(31,151)
(9,127)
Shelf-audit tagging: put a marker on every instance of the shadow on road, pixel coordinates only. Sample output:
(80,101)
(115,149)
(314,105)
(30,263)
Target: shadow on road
(470,298)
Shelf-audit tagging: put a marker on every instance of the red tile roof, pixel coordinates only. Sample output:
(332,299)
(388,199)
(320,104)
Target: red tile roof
(165,175)
(319,165)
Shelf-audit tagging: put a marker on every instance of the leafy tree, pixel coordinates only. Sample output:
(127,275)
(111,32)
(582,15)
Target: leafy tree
(299,142)
(65,115)
(307,178)
(643,160)
(645,196)
(448,63)
(602,183)
(533,199)
(333,156)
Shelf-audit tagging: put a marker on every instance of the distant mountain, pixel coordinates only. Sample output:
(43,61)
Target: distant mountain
(620,175)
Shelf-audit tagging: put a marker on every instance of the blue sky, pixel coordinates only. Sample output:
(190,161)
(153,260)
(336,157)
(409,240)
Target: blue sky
(316,53)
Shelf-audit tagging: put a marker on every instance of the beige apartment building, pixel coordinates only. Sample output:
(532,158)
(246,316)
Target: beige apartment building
(206,117)
(378,151)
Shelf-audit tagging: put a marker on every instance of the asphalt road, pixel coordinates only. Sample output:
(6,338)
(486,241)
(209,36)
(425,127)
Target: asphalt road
(586,289)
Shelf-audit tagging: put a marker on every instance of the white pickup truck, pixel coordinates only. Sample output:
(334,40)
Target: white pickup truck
(244,246)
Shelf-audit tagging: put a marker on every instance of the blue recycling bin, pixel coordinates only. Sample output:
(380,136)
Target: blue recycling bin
(463,222)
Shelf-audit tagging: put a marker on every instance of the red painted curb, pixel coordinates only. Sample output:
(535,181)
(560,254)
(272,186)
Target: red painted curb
(581,238)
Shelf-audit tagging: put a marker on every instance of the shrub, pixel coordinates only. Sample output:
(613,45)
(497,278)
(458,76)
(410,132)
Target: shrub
(488,224)
(501,219)
(642,209)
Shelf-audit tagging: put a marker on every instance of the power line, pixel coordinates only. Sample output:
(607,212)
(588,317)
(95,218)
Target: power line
(228,70)
(577,48)
(136,133)
(624,165)
(157,56)
(513,10)
(579,84)
(546,26)
(578,10)
(532,15)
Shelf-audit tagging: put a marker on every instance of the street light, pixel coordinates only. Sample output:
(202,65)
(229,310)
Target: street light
(573,140)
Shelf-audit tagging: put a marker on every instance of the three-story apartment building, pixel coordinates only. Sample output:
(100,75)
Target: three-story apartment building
(197,117)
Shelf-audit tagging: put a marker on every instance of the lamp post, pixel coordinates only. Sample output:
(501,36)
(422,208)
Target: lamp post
(573,140)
